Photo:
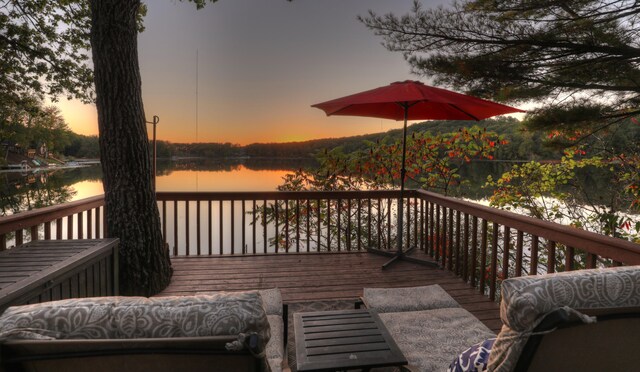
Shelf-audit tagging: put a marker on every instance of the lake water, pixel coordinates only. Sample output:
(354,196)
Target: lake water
(26,191)
(20,192)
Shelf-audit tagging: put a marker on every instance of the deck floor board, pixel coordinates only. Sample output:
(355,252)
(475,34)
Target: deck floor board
(319,277)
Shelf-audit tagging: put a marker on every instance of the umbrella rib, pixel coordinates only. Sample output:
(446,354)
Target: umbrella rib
(464,112)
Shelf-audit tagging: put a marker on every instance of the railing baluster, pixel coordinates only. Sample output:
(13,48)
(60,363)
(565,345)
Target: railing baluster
(369,223)
(34,233)
(450,242)
(519,244)
(443,238)
(338,214)
(233,224)
(198,230)
(379,224)
(244,222)
(275,208)
(59,229)
(98,218)
(186,227)
(286,226)
(318,248)
(89,225)
(221,224)
(359,235)
(164,221)
(437,244)
(19,237)
(483,254)
(506,245)
(308,221)
(47,230)
(253,223)
(569,259)
(465,255)
(80,226)
(175,228)
(423,221)
(551,260)
(264,224)
(210,225)
(297,225)
(534,255)
(348,232)
(474,250)
(329,225)
(494,262)
(431,230)
(415,223)
(69,226)
(407,224)
(389,225)
(591,261)
(458,238)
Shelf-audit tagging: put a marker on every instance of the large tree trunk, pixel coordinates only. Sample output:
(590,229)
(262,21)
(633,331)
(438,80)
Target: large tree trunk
(131,209)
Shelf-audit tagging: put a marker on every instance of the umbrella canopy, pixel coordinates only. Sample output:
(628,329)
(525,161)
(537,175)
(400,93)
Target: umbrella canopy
(422,101)
(412,100)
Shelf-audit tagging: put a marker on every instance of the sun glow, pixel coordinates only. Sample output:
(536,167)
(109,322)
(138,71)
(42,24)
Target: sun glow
(244,179)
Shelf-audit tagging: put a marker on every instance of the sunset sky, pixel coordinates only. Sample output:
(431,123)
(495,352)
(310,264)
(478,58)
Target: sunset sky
(261,64)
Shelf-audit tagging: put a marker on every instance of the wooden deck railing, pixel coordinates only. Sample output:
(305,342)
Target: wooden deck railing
(482,245)
(485,245)
(277,222)
(82,219)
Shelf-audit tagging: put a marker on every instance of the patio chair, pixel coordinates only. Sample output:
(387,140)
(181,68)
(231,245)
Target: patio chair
(227,331)
(587,320)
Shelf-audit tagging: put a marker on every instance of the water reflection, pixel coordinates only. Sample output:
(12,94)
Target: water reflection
(26,191)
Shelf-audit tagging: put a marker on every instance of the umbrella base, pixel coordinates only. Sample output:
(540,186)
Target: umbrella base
(397,256)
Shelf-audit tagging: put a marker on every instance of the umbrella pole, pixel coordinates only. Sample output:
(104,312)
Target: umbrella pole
(401,253)
(403,172)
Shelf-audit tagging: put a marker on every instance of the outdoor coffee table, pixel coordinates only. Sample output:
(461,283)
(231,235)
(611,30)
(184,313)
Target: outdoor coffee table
(342,340)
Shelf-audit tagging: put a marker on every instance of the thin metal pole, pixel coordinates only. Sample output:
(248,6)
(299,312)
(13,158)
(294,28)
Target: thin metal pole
(403,171)
(155,122)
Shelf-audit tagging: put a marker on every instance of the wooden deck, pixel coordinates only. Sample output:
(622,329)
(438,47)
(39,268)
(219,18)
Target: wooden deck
(316,277)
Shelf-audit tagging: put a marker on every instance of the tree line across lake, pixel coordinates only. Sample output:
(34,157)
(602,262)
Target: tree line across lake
(521,143)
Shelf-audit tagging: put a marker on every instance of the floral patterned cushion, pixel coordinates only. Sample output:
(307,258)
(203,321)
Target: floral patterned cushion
(228,313)
(271,299)
(526,300)
(387,300)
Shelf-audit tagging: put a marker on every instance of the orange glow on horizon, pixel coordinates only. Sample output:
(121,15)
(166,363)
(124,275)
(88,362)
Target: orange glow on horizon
(244,179)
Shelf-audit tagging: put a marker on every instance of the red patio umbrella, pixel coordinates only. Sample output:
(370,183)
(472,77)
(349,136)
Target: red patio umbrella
(412,100)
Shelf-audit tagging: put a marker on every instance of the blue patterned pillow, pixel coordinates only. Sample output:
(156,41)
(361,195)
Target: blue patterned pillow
(474,359)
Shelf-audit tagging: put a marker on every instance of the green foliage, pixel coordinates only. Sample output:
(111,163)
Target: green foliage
(433,162)
(33,124)
(44,50)
(576,60)
(83,147)
(579,58)
(554,192)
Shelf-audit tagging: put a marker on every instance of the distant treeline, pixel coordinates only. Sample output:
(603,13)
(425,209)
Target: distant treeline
(522,144)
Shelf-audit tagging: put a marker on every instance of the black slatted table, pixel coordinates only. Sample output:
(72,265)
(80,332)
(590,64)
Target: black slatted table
(342,340)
